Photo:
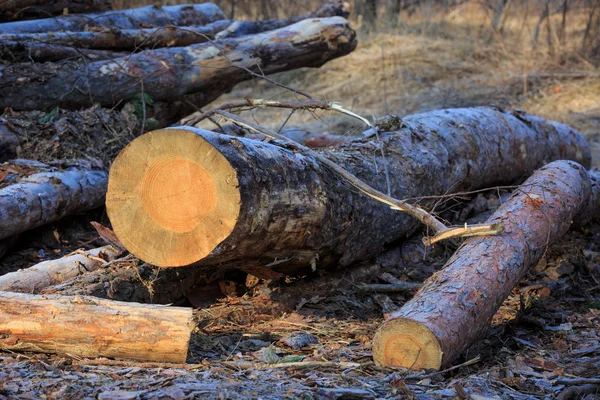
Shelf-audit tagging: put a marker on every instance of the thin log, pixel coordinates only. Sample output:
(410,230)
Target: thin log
(49,196)
(250,203)
(28,9)
(168,74)
(53,272)
(456,305)
(9,143)
(167,36)
(91,327)
(178,15)
(42,52)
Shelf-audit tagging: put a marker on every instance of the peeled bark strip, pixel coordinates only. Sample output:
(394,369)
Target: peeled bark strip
(48,273)
(187,196)
(91,327)
(178,15)
(26,9)
(456,305)
(170,73)
(49,196)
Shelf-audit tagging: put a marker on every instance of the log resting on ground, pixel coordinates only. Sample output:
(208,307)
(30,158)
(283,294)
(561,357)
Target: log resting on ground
(41,52)
(91,327)
(187,196)
(143,17)
(49,196)
(166,36)
(53,272)
(168,74)
(27,9)
(9,143)
(456,305)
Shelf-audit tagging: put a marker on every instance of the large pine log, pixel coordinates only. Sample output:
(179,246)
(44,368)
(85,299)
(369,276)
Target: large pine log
(178,15)
(151,38)
(27,9)
(188,196)
(49,196)
(456,305)
(92,327)
(53,272)
(168,74)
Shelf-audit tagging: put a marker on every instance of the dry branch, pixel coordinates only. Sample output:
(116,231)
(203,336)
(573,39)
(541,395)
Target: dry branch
(143,17)
(91,327)
(250,203)
(49,196)
(168,74)
(26,9)
(48,273)
(456,305)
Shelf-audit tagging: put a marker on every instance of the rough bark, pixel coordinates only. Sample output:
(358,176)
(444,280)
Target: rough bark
(168,74)
(179,15)
(18,52)
(92,327)
(28,9)
(9,143)
(456,305)
(53,272)
(283,209)
(49,196)
(166,36)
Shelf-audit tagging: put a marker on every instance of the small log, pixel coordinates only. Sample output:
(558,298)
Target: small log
(166,36)
(53,272)
(168,74)
(187,196)
(41,52)
(456,305)
(143,17)
(91,327)
(31,9)
(49,196)
(9,143)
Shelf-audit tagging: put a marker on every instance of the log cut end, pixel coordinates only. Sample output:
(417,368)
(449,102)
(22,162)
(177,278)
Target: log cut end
(172,197)
(405,343)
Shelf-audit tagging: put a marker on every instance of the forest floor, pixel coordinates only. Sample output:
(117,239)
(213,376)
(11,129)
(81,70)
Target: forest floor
(310,338)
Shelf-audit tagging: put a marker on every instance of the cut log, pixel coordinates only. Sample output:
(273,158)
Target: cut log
(28,9)
(187,196)
(9,144)
(456,305)
(49,196)
(168,74)
(165,36)
(143,17)
(53,272)
(91,327)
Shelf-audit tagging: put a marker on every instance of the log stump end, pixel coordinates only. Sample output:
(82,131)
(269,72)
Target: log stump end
(172,197)
(401,342)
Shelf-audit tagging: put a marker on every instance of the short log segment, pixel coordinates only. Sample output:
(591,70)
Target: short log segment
(456,305)
(91,327)
(168,74)
(49,196)
(53,272)
(178,15)
(9,143)
(187,196)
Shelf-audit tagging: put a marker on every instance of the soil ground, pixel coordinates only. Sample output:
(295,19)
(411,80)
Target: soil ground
(310,338)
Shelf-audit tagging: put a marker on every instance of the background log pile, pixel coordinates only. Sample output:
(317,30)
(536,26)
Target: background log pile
(235,210)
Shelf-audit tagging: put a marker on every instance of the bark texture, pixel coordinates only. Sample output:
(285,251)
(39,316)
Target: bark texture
(92,327)
(9,143)
(178,15)
(300,214)
(53,272)
(49,196)
(456,305)
(169,74)
(27,9)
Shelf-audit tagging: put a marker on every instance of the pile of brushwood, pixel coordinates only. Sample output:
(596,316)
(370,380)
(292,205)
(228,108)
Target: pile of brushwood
(253,204)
